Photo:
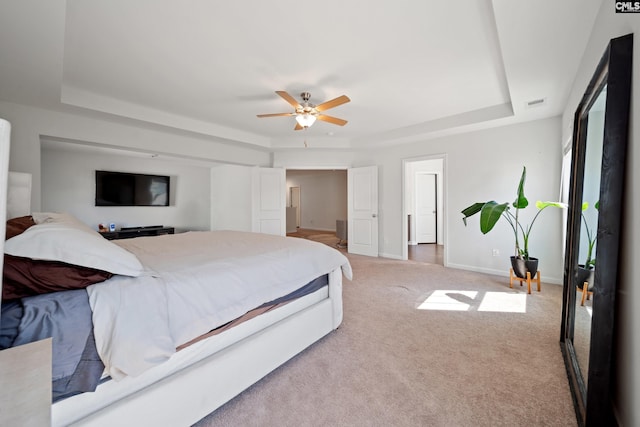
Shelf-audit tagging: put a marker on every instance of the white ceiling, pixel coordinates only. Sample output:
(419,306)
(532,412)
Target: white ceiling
(413,69)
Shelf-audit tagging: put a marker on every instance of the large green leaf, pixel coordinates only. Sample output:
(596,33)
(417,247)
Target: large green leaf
(521,202)
(585,205)
(490,214)
(471,210)
(541,205)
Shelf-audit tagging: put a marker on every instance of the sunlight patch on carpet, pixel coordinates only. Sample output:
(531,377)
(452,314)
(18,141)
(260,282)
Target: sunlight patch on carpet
(504,302)
(449,300)
(497,302)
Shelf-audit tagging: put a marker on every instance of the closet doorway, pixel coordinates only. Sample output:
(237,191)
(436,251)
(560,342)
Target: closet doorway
(423,209)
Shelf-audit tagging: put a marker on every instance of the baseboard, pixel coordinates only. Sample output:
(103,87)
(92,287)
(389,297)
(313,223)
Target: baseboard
(391,256)
(503,273)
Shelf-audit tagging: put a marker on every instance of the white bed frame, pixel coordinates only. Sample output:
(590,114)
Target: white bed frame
(235,360)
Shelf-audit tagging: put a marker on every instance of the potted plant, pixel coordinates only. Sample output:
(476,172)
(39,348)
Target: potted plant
(586,270)
(491,212)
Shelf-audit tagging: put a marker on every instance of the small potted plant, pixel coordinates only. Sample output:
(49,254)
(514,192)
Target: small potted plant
(491,212)
(586,270)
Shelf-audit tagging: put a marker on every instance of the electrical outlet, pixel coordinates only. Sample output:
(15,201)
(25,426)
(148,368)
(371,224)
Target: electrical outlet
(496,252)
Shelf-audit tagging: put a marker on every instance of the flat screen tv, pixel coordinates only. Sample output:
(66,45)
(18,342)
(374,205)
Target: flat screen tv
(131,189)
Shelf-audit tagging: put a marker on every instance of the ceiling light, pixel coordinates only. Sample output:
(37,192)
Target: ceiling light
(305,120)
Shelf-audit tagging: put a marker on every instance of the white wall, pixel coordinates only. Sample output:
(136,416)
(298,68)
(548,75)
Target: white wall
(30,124)
(591,181)
(310,158)
(231,191)
(627,383)
(481,166)
(68,185)
(471,159)
(5,144)
(323,197)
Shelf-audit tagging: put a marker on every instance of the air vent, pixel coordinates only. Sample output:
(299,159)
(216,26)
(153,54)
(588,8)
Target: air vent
(536,102)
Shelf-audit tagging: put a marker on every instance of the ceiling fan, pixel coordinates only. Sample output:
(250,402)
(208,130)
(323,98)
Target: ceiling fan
(307,113)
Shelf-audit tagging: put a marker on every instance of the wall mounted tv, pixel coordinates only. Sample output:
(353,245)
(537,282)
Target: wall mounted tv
(131,189)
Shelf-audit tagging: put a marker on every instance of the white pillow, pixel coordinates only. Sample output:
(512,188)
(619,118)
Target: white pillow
(74,243)
(48,217)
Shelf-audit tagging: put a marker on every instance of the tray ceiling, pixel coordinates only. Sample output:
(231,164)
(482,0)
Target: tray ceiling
(413,69)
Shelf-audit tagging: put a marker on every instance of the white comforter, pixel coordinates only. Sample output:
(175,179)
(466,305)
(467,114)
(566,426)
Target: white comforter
(195,282)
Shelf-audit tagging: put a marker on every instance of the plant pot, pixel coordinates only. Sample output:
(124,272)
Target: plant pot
(585,275)
(521,266)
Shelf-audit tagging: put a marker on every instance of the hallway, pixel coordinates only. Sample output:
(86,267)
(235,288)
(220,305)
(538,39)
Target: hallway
(428,253)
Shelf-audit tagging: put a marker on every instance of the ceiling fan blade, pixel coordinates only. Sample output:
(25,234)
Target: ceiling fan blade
(276,115)
(333,103)
(298,127)
(290,99)
(330,119)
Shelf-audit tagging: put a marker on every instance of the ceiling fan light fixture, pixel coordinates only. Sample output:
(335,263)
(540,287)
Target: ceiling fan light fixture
(307,113)
(305,120)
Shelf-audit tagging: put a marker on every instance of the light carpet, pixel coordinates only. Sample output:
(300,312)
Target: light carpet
(487,356)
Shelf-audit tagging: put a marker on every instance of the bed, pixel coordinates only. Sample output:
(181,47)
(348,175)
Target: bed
(181,323)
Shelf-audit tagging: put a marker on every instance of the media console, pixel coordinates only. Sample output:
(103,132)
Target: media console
(130,232)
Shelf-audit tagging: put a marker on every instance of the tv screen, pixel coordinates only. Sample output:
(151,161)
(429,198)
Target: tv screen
(131,189)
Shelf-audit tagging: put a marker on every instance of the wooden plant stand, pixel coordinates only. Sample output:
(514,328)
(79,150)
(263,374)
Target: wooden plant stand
(586,293)
(528,279)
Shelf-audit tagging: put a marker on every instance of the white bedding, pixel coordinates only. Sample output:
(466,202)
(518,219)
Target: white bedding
(195,282)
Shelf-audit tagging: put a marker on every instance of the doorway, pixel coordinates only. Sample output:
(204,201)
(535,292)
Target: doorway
(341,202)
(317,199)
(423,209)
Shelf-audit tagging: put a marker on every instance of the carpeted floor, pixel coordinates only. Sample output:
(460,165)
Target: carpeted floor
(421,345)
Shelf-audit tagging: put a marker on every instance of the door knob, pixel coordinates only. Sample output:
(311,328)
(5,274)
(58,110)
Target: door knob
(374,215)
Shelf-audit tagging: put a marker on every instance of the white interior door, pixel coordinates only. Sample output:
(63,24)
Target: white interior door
(362,207)
(295,203)
(426,190)
(269,201)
